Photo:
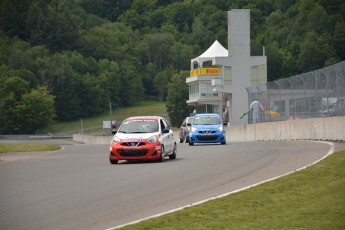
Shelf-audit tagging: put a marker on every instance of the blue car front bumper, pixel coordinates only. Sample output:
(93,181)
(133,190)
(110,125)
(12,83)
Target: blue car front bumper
(207,137)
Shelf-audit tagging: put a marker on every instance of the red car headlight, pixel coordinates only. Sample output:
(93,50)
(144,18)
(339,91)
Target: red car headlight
(115,140)
(153,139)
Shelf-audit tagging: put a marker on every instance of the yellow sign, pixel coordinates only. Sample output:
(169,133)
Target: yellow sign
(205,71)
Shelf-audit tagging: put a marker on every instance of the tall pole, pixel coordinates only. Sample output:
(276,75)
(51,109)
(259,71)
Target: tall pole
(81,125)
(111,124)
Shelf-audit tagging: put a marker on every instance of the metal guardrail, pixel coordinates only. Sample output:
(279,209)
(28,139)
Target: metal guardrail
(36,137)
(319,93)
(66,135)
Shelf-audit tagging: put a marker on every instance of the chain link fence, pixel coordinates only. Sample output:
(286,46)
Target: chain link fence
(320,93)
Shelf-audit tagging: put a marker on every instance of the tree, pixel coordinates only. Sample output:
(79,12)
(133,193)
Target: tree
(181,55)
(132,18)
(158,49)
(118,51)
(11,91)
(180,14)
(13,14)
(274,62)
(23,111)
(67,101)
(109,79)
(131,90)
(7,113)
(55,71)
(56,30)
(200,33)
(147,78)
(310,57)
(17,58)
(161,81)
(14,87)
(318,20)
(144,6)
(157,18)
(93,97)
(339,39)
(112,41)
(217,23)
(177,106)
(34,112)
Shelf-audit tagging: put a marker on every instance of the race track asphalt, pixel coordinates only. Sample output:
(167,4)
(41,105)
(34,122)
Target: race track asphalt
(77,188)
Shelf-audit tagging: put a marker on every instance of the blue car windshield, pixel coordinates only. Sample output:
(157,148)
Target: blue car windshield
(207,120)
(139,126)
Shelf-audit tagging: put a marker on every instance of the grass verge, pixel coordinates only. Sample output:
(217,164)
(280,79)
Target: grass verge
(142,108)
(313,198)
(6,148)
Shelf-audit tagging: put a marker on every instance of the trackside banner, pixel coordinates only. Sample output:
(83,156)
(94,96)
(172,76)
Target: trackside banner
(205,71)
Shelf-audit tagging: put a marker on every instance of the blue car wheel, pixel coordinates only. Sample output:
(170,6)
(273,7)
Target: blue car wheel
(190,142)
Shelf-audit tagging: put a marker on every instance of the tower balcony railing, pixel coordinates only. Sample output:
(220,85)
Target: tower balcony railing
(218,85)
(208,95)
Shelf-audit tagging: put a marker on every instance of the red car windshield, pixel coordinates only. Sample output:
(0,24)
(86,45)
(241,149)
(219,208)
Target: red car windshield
(139,126)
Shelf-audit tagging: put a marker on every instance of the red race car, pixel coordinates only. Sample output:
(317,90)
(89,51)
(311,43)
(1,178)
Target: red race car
(143,138)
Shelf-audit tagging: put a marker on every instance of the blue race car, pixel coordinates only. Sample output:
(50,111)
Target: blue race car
(207,128)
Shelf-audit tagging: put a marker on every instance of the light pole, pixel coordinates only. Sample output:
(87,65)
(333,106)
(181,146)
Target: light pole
(81,125)
(111,125)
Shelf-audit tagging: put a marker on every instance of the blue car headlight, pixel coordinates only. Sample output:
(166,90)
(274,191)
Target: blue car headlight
(220,129)
(193,129)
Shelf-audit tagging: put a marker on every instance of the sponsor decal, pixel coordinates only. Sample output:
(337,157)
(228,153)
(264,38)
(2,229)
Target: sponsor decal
(205,71)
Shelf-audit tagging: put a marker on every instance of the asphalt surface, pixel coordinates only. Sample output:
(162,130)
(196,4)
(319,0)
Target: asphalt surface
(77,188)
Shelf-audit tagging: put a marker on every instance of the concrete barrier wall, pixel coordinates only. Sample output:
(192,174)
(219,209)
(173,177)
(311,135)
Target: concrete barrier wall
(329,128)
(90,139)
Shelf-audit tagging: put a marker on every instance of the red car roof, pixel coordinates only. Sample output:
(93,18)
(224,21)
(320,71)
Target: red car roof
(143,118)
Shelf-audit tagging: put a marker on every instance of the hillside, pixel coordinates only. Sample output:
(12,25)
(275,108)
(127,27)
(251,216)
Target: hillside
(143,108)
(75,57)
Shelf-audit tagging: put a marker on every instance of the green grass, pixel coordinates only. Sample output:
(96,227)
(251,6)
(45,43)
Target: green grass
(142,108)
(313,198)
(6,148)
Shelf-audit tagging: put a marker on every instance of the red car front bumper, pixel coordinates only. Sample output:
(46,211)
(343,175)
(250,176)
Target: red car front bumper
(128,151)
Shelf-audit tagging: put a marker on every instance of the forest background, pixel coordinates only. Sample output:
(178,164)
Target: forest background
(62,60)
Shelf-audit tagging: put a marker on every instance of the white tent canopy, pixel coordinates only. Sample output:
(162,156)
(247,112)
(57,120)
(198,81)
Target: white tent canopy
(215,50)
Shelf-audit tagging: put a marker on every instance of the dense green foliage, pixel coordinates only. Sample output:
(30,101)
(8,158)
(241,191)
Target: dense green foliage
(177,93)
(88,53)
(23,110)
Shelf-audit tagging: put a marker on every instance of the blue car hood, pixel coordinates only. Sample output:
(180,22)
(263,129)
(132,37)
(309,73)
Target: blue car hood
(207,127)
